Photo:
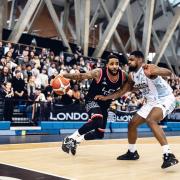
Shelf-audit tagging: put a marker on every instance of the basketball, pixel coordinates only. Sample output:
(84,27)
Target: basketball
(60,85)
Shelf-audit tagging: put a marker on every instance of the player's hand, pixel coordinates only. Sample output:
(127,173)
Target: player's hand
(101,97)
(51,82)
(56,77)
(149,69)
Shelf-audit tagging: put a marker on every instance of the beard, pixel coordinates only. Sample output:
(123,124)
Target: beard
(132,69)
(113,72)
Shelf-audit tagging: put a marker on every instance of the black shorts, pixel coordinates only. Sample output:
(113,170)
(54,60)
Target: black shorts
(92,107)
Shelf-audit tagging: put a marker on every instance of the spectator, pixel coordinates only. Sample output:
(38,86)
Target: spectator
(10,61)
(31,87)
(71,60)
(43,78)
(27,72)
(1,49)
(51,56)
(7,47)
(79,51)
(3,62)
(7,94)
(52,69)
(99,63)
(19,86)
(5,76)
(38,107)
(37,62)
(76,93)
(48,89)
(25,60)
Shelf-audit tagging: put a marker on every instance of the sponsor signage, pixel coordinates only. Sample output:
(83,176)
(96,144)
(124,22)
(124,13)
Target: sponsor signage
(116,116)
(76,112)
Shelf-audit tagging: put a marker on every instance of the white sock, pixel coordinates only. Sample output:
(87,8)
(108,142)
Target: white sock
(166,149)
(75,135)
(80,139)
(132,148)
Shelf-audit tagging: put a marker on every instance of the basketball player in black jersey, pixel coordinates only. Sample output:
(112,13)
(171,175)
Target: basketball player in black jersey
(104,81)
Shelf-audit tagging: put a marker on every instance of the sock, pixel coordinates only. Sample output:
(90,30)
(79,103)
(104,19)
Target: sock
(75,135)
(132,148)
(80,139)
(166,149)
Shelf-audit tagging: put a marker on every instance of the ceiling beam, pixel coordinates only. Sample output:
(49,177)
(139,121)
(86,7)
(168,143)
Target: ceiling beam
(85,23)
(57,24)
(23,20)
(36,14)
(131,29)
(167,37)
(147,27)
(111,28)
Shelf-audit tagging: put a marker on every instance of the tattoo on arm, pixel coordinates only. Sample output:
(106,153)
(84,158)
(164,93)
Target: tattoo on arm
(94,74)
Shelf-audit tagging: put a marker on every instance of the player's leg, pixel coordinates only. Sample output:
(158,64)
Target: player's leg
(152,120)
(98,133)
(96,119)
(70,142)
(154,117)
(132,137)
(95,134)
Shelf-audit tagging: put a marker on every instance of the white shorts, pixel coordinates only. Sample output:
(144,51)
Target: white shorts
(167,104)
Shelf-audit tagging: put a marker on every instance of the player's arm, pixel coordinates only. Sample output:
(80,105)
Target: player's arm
(128,86)
(152,71)
(94,74)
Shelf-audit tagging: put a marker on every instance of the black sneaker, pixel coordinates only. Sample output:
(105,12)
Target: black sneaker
(73,146)
(129,156)
(66,145)
(169,160)
(69,145)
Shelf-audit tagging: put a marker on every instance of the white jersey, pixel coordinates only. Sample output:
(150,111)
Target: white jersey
(152,89)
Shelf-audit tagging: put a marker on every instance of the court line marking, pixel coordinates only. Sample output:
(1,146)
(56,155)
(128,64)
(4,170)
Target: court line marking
(50,174)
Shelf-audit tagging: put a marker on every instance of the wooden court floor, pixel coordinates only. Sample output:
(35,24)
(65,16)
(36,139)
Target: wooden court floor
(95,160)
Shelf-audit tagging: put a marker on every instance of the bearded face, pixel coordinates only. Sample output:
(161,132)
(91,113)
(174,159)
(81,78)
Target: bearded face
(133,68)
(113,66)
(133,63)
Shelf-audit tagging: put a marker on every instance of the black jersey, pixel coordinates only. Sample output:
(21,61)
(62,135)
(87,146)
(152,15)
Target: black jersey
(105,86)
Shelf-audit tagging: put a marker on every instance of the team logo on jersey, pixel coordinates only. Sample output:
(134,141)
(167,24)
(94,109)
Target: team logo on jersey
(141,85)
(107,92)
(91,105)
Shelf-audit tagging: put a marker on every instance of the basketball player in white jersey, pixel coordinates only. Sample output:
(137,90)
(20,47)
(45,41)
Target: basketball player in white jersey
(160,102)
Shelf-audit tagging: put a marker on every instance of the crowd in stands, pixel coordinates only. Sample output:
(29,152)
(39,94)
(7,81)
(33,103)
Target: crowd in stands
(26,72)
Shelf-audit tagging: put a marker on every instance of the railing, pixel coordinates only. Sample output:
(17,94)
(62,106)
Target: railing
(22,111)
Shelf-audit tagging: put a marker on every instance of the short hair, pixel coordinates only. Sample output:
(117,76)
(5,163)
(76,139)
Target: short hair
(138,54)
(111,57)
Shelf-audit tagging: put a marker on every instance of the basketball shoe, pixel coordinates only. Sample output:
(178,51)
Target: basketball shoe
(169,160)
(69,145)
(73,146)
(66,145)
(129,156)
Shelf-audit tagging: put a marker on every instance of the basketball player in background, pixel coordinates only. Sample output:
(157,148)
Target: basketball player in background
(104,81)
(160,102)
